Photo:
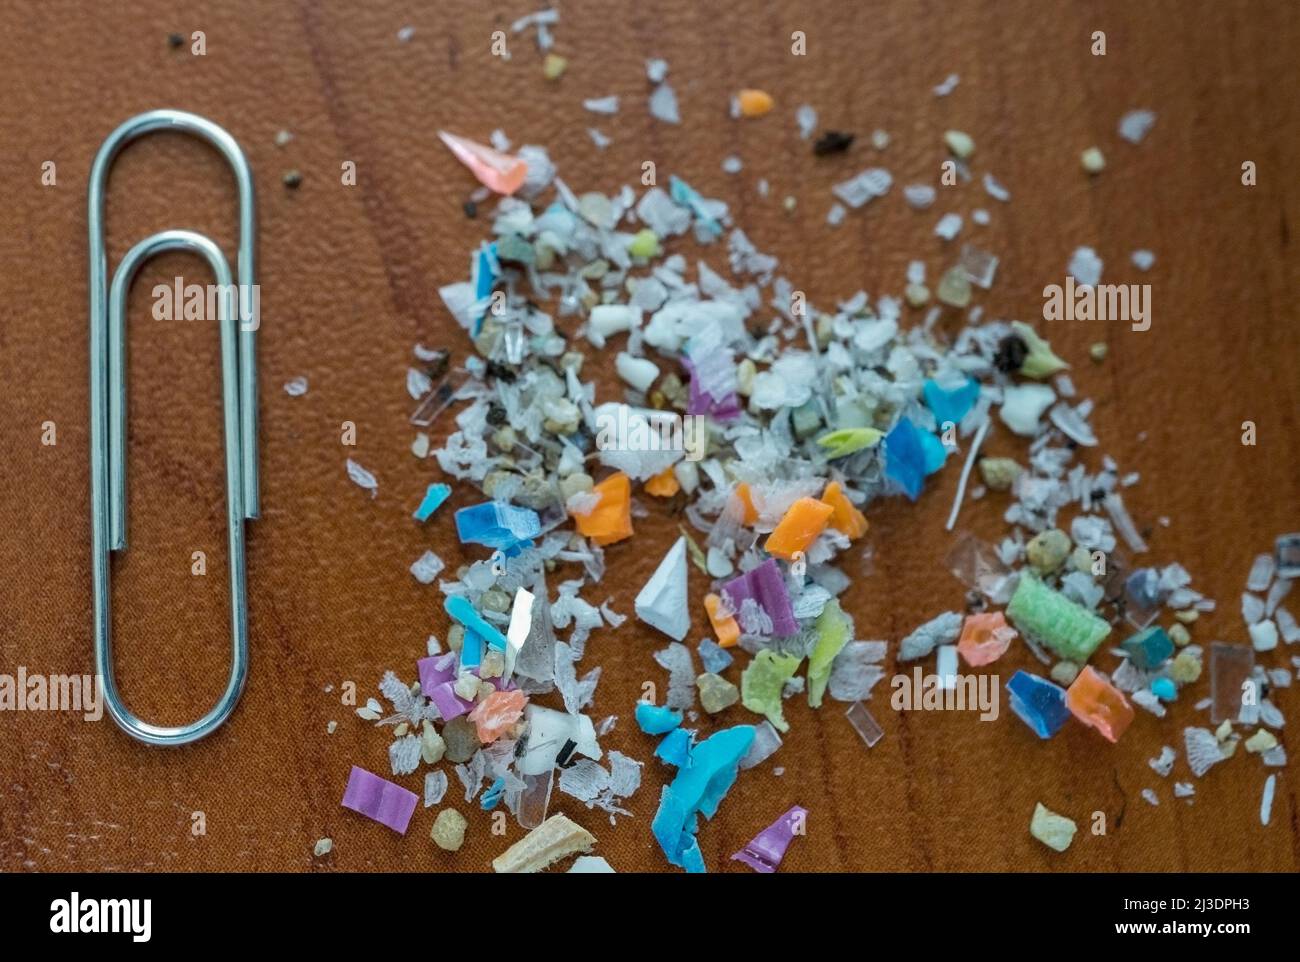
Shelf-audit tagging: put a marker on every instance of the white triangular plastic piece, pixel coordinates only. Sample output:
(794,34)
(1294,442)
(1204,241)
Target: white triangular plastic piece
(662,602)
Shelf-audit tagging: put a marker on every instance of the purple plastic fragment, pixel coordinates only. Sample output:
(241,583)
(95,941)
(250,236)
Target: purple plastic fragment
(702,402)
(449,704)
(767,849)
(436,670)
(766,586)
(379,799)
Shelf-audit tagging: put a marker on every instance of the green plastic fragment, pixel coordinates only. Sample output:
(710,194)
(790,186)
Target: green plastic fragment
(644,243)
(762,682)
(698,558)
(846,441)
(1040,362)
(1049,618)
(834,629)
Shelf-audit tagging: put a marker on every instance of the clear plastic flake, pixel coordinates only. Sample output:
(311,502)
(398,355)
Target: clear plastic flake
(1202,748)
(1085,267)
(1231,667)
(404,754)
(427,567)
(663,105)
(864,724)
(296,388)
(979,266)
(871,183)
(676,660)
(435,787)
(1164,763)
(977,565)
(363,478)
(765,745)
(1135,125)
(949,226)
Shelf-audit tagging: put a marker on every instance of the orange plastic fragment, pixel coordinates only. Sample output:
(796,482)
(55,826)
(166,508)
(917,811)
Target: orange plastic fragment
(985,638)
(500,172)
(497,713)
(847,519)
(611,519)
(663,485)
(754,103)
(724,623)
(749,513)
(800,527)
(1099,704)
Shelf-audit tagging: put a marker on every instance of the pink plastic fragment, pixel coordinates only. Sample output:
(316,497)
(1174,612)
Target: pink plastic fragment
(766,586)
(436,670)
(725,408)
(767,849)
(495,170)
(379,799)
(496,713)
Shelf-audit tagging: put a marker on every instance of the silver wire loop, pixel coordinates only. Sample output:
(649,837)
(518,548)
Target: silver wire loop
(108,409)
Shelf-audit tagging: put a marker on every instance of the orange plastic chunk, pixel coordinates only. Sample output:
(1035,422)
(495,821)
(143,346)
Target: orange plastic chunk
(754,103)
(749,512)
(495,170)
(800,527)
(985,638)
(724,623)
(1097,703)
(663,485)
(846,518)
(611,519)
(497,713)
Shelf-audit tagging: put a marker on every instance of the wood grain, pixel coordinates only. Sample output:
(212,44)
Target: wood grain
(349,280)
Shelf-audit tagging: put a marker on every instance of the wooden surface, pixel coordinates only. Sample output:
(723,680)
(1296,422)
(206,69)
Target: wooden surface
(349,279)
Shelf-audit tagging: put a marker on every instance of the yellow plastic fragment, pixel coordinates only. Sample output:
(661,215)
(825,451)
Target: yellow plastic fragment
(754,103)
(644,243)
(1040,362)
(553,66)
(846,441)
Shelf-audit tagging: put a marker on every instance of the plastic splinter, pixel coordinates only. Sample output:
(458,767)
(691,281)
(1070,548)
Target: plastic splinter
(494,170)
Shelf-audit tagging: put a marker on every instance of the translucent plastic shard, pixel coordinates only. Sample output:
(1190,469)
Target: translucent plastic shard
(864,724)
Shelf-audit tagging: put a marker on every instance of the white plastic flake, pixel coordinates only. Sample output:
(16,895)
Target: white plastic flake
(1203,751)
(662,603)
(940,630)
(1135,125)
(1164,764)
(363,478)
(1085,266)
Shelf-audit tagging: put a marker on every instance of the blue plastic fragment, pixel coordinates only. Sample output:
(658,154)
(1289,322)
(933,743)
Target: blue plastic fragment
(936,452)
(492,795)
(716,659)
(697,790)
(950,405)
(459,607)
(1164,689)
(905,457)
(1150,648)
(471,650)
(484,271)
(498,525)
(675,749)
(433,499)
(1039,703)
(657,719)
(686,195)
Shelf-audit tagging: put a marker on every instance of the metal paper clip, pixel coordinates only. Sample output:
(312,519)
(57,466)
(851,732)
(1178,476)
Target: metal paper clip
(108,407)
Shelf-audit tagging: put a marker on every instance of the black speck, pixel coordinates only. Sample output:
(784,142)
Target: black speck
(832,142)
(501,371)
(564,758)
(175,41)
(1011,353)
(293,179)
(496,416)
(470,208)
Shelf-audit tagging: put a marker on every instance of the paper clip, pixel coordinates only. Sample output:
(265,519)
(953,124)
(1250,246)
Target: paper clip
(108,407)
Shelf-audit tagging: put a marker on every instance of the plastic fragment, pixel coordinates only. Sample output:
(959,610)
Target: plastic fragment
(856,670)
(1038,703)
(940,630)
(845,517)
(753,103)
(799,528)
(1023,406)
(764,586)
(1135,124)
(846,441)
(495,170)
(950,404)
(675,748)
(676,660)
(362,478)
(662,603)
(723,622)
(1150,648)
(656,719)
(765,852)
(714,656)
(985,638)
(496,714)
(834,630)
(1054,831)
(864,724)
(698,789)
(1164,764)
(610,519)
(716,693)
(590,865)
(1047,617)
(426,568)
(433,499)
(448,831)
(379,799)
(551,841)
(762,682)
(765,745)
(1231,667)
(1099,704)
(498,525)
(1266,801)
(521,626)
(1202,749)
(460,608)
(663,485)
(435,787)
(905,457)
(1040,361)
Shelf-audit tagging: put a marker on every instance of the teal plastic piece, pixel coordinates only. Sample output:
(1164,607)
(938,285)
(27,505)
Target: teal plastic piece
(498,525)
(1150,648)
(1164,689)
(657,719)
(934,450)
(950,405)
(1049,618)
(493,795)
(675,749)
(459,607)
(433,499)
(471,650)
(697,790)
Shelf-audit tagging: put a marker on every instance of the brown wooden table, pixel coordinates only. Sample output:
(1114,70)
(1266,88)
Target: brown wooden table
(349,281)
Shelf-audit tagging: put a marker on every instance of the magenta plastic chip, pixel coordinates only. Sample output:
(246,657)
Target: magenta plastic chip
(766,586)
(436,670)
(449,704)
(380,799)
(767,849)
